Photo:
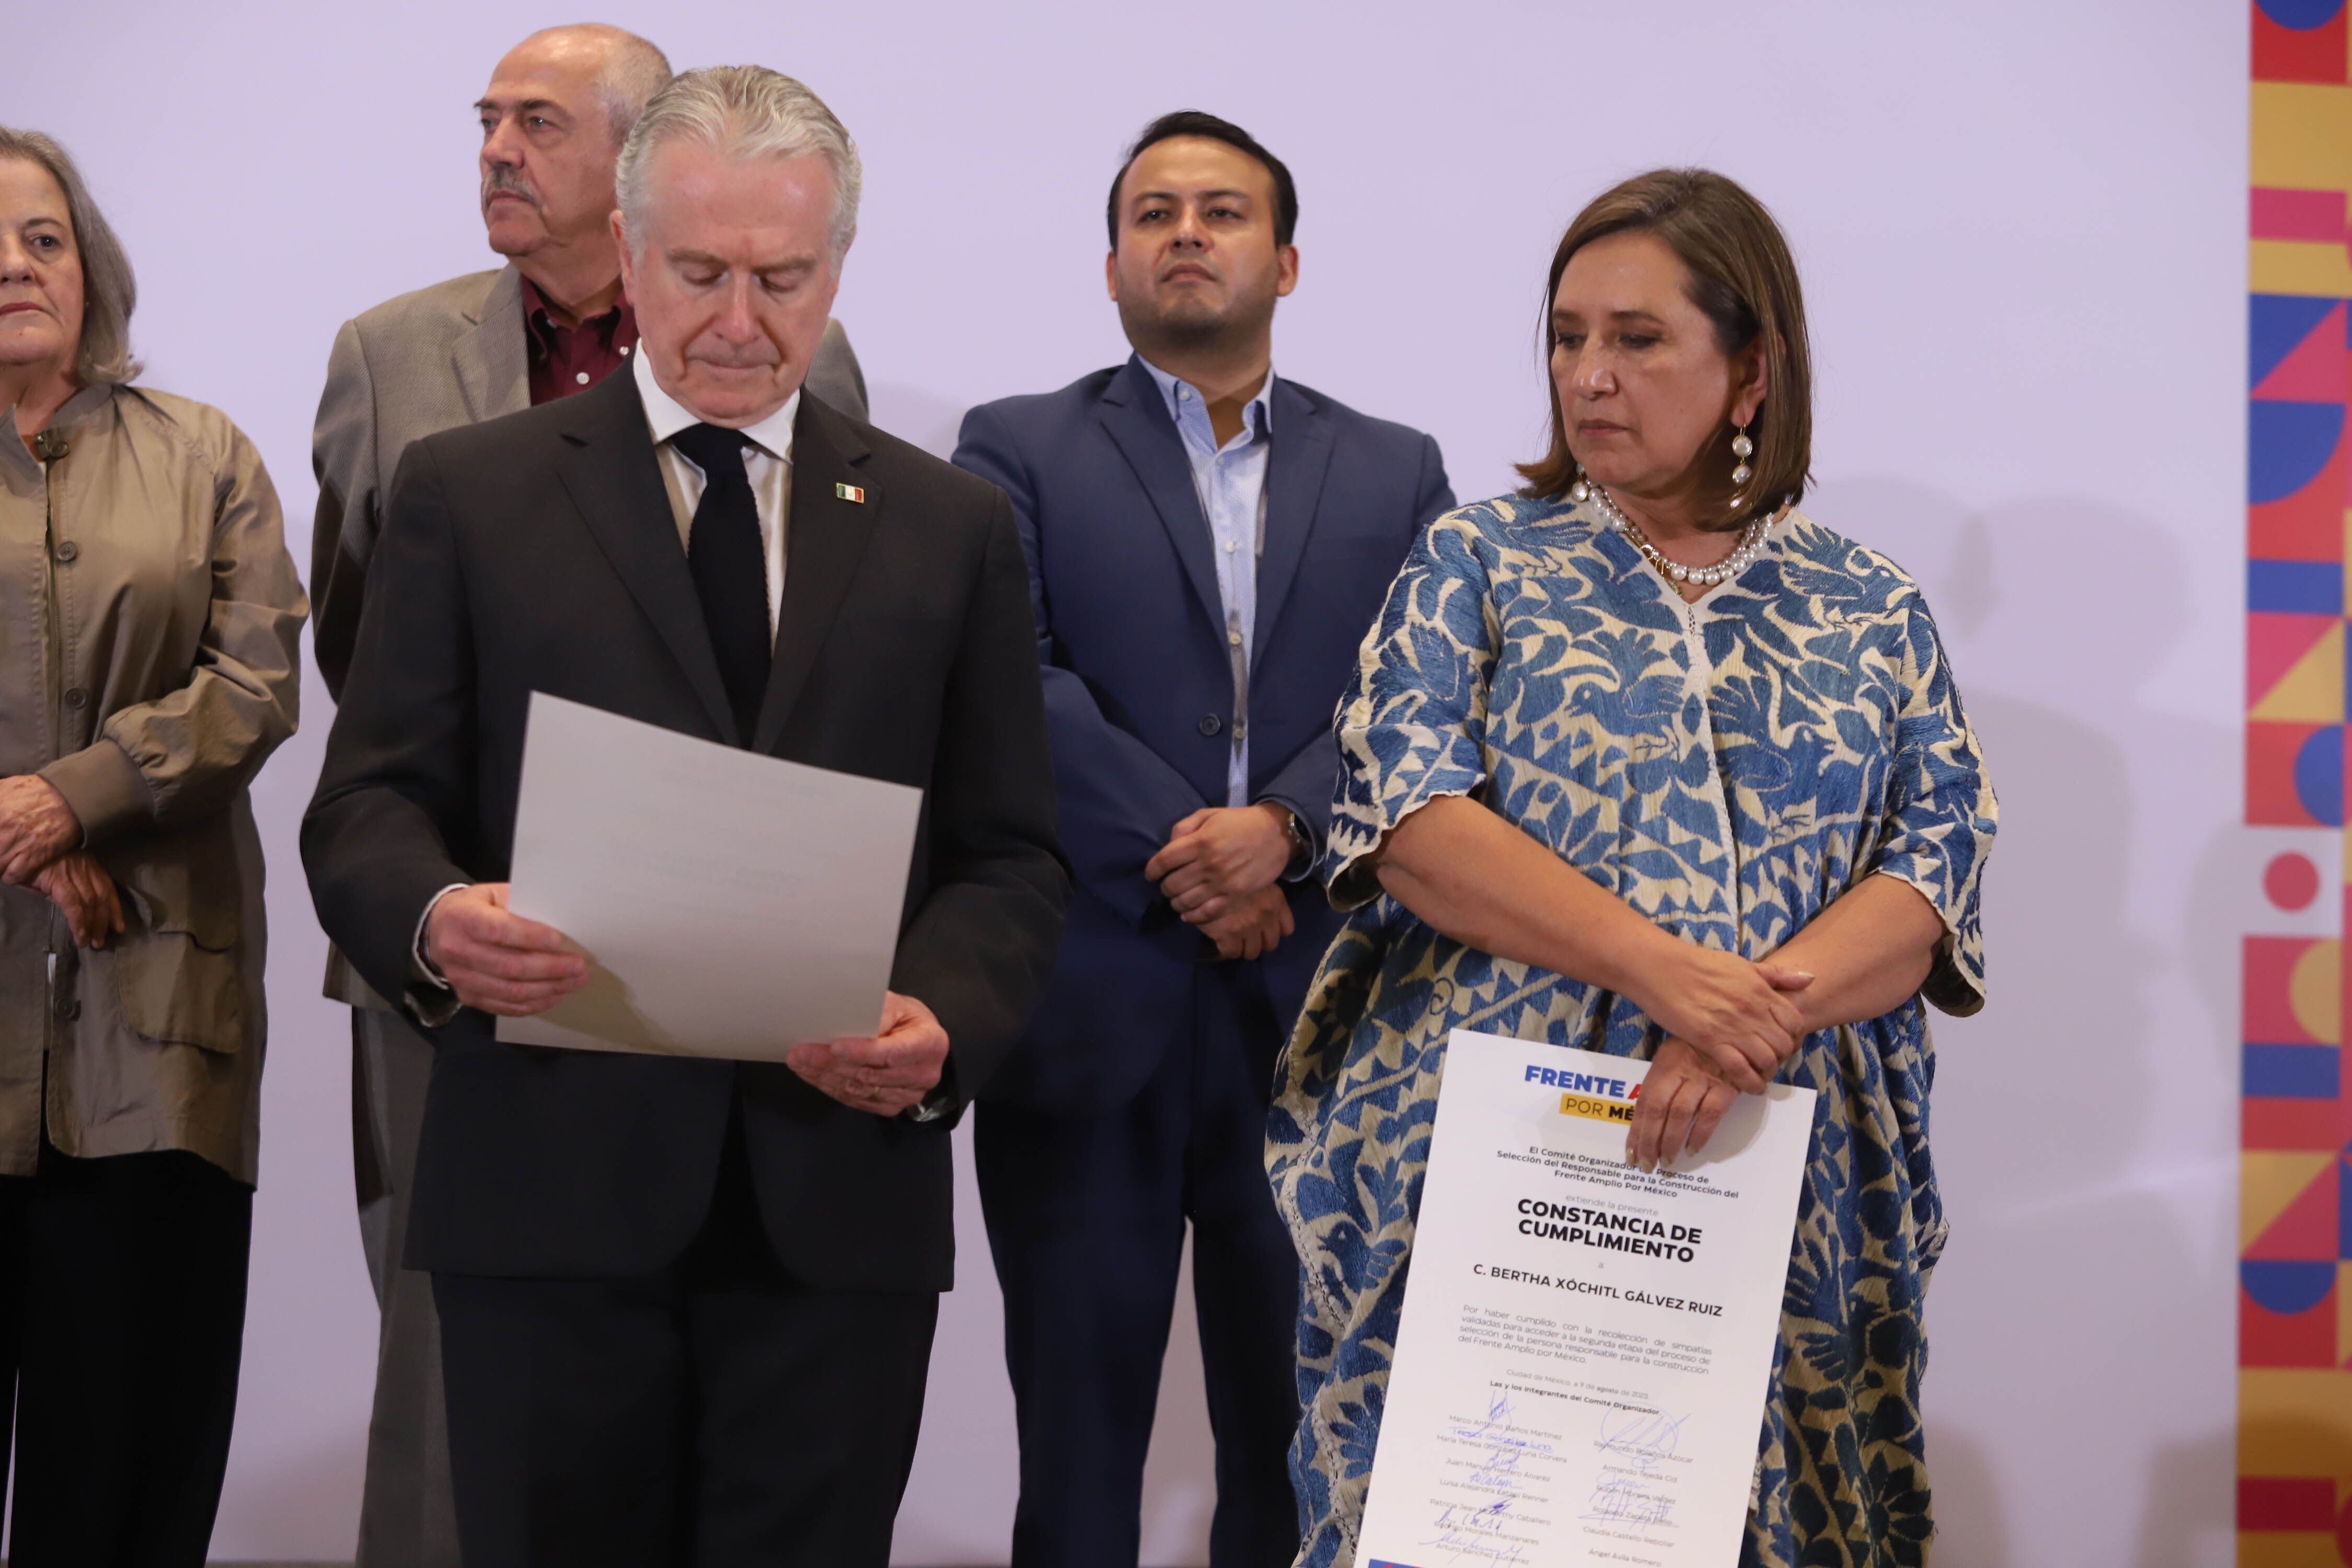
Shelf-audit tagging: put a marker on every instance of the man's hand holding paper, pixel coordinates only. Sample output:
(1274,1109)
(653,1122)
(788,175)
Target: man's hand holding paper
(495,959)
(886,1074)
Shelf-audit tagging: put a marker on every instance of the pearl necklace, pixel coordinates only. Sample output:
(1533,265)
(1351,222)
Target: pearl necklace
(1751,543)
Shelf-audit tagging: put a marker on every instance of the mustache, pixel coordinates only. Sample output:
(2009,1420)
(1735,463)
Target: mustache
(507,179)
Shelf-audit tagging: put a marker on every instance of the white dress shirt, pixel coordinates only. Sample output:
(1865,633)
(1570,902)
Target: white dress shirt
(767,463)
(1231,483)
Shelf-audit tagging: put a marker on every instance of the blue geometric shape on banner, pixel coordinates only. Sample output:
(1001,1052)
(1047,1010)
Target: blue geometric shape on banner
(2300,15)
(2288,444)
(2290,1072)
(2277,323)
(2298,587)
(2286,1288)
(2319,775)
(2343,1211)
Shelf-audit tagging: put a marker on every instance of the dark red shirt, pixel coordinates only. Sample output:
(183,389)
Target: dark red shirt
(565,360)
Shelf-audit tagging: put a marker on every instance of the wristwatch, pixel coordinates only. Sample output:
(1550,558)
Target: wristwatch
(1302,849)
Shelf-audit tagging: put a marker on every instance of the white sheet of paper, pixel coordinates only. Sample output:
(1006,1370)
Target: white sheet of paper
(730,904)
(1586,1350)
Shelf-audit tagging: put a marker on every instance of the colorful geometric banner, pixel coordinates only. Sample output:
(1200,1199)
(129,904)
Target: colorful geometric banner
(2294,1271)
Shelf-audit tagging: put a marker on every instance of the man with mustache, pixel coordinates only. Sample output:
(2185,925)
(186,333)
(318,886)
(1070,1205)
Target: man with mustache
(1207,546)
(553,322)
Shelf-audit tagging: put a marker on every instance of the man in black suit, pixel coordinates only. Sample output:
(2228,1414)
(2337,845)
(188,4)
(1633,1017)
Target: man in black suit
(687,1305)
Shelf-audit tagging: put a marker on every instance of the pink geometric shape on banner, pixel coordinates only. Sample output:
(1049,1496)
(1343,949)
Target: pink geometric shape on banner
(2275,642)
(2313,371)
(2312,216)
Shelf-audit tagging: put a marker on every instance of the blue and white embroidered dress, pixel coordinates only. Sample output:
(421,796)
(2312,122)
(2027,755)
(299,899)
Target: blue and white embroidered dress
(1727,768)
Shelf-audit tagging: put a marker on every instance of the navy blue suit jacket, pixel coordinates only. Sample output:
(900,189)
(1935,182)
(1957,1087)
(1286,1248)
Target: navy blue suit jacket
(1138,687)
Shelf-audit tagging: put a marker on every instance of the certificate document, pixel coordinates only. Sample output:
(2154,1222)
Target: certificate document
(1586,1349)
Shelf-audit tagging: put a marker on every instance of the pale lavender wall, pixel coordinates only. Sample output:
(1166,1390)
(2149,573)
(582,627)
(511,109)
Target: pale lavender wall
(2021,231)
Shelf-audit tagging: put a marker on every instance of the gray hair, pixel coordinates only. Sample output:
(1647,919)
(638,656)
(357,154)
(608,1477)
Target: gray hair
(108,291)
(742,112)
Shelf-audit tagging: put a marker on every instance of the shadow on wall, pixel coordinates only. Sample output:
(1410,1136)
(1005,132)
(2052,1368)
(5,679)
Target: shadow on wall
(2074,1283)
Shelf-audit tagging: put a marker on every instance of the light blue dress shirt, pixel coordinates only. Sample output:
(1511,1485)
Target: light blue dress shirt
(1230,482)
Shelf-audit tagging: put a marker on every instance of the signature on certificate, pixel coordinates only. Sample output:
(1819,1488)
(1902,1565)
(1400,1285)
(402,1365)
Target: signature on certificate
(1638,1443)
(1622,1499)
(1642,1439)
(1462,1531)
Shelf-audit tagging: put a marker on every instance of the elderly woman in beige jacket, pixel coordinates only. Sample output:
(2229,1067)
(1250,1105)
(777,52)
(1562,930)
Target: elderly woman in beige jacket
(147,624)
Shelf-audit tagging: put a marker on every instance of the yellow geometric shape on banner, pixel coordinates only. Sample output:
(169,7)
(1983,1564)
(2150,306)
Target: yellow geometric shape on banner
(2295,1421)
(2302,136)
(2298,267)
(2287,1548)
(2269,1180)
(2313,993)
(2311,691)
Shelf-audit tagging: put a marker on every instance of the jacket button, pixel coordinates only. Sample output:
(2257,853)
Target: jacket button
(1211,723)
(76,696)
(69,1010)
(67,550)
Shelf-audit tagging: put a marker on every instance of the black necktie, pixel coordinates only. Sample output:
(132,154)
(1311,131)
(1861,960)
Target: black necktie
(730,568)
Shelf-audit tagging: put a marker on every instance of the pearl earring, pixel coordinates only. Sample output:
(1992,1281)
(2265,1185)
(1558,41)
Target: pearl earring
(1742,449)
(1580,492)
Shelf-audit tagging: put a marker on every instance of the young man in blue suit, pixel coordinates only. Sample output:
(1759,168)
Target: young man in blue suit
(1207,546)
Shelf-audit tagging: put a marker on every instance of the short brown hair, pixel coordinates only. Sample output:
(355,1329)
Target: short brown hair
(109,289)
(1744,281)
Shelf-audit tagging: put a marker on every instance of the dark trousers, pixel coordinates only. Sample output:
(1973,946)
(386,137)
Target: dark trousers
(1085,1218)
(406,1517)
(716,1413)
(122,1318)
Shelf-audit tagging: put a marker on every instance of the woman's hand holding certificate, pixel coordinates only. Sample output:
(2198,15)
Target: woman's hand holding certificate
(1586,1344)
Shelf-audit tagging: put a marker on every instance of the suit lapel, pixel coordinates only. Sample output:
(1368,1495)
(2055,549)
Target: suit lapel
(826,540)
(1294,483)
(492,361)
(1136,418)
(609,468)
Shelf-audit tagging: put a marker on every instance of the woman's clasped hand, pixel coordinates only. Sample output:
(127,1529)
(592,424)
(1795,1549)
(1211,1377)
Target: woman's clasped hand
(38,833)
(1729,1024)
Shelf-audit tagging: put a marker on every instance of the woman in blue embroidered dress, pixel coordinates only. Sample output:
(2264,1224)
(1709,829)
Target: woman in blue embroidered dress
(1642,760)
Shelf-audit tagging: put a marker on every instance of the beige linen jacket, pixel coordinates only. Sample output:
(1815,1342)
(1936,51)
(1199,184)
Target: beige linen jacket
(453,354)
(149,626)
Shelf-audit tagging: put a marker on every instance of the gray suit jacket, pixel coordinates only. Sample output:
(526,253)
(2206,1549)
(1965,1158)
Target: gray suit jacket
(452,354)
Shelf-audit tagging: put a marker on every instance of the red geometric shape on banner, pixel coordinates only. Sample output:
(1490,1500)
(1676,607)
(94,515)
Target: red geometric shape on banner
(2306,1230)
(2267,991)
(2313,371)
(2277,640)
(2301,527)
(2311,1125)
(2286,1502)
(2306,523)
(2277,1339)
(2272,799)
(2290,54)
(2312,216)
(2344,1533)
(2291,881)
